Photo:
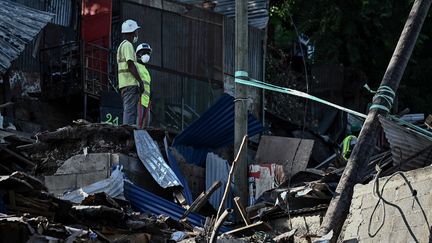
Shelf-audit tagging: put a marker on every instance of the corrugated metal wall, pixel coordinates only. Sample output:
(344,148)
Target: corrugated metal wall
(63,10)
(186,63)
(193,56)
(255,49)
(257,10)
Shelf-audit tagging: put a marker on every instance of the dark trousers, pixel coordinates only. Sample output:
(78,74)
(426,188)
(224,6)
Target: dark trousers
(130,96)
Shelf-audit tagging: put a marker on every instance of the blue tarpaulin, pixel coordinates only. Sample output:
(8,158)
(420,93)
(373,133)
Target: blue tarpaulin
(213,130)
(146,201)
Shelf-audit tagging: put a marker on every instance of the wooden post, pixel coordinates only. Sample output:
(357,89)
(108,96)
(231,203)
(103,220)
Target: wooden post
(241,115)
(340,204)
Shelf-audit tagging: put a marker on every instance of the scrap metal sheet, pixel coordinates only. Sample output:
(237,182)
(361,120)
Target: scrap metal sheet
(151,157)
(292,153)
(112,186)
(410,149)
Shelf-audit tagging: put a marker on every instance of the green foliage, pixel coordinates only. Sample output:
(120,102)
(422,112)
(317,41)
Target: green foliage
(358,34)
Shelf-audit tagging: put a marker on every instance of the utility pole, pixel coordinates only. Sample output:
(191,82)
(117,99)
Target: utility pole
(241,114)
(340,204)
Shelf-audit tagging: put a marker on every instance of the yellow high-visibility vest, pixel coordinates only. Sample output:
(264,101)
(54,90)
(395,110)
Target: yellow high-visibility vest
(125,52)
(347,146)
(145,76)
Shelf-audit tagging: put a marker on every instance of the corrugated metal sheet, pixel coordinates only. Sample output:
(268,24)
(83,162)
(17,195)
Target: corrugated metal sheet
(175,167)
(181,44)
(410,149)
(36,4)
(215,128)
(257,10)
(193,155)
(150,155)
(217,169)
(19,25)
(196,47)
(149,202)
(255,53)
(62,10)
(113,187)
(26,62)
(186,63)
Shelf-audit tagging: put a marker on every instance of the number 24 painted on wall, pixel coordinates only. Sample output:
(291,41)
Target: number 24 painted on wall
(112,120)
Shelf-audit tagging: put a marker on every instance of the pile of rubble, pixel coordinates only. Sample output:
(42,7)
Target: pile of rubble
(99,182)
(29,211)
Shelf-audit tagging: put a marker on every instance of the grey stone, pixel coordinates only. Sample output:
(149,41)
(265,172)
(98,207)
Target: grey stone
(397,192)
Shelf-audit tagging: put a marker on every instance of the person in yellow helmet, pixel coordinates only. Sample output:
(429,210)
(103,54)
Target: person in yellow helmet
(130,83)
(143,53)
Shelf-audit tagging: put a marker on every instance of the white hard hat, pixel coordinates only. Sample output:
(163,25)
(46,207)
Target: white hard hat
(129,26)
(143,46)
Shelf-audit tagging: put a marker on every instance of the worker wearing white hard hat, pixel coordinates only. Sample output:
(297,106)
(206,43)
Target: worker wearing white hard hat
(143,53)
(130,82)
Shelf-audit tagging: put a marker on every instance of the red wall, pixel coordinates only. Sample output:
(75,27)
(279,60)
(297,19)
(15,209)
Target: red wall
(96,22)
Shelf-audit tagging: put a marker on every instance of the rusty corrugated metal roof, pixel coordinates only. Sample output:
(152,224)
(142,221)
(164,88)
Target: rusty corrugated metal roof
(19,25)
(257,10)
(411,148)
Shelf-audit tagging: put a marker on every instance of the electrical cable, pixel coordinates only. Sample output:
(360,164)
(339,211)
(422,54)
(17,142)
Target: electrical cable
(377,192)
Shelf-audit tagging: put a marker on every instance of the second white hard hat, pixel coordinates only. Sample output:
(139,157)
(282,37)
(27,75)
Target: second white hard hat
(143,46)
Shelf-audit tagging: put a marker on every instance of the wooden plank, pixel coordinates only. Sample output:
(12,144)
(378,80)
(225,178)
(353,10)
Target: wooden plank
(20,157)
(242,210)
(202,199)
(250,229)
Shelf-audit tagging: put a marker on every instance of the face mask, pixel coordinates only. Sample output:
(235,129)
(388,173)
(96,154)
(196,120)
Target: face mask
(135,39)
(145,58)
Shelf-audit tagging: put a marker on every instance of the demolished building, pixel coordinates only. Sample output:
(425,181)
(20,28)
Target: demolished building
(102,182)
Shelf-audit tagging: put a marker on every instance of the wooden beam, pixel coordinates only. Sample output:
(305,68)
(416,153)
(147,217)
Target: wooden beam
(340,204)
(202,199)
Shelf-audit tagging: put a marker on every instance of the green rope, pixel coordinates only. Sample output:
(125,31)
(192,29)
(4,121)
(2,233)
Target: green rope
(242,77)
(386,93)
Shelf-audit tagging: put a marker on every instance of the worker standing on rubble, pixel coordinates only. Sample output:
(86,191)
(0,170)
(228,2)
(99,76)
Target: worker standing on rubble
(143,53)
(130,83)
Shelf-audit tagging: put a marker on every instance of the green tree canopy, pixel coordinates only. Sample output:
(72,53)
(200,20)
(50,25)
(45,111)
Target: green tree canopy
(358,34)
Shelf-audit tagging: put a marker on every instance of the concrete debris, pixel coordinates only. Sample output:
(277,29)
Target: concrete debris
(99,182)
(394,208)
(113,186)
(94,209)
(285,236)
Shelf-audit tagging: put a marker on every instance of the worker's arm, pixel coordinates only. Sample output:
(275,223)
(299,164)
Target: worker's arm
(132,68)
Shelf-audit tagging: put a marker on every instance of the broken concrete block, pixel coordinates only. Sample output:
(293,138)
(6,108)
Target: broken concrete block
(85,179)
(57,184)
(304,225)
(397,192)
(85,163)
(79,171)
